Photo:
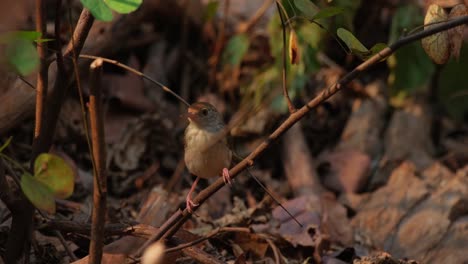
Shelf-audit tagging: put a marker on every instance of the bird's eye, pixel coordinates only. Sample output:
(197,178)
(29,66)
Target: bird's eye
(204,112)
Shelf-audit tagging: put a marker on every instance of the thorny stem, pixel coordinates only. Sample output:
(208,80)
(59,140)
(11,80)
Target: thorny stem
(180,217)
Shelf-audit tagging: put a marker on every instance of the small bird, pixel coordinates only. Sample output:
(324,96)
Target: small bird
(206,152)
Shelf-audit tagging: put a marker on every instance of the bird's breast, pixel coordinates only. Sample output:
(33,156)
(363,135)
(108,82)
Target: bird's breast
(206,153)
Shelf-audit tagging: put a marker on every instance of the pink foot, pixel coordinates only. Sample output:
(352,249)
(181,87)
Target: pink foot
(227,177)
(188,201)
(190,204)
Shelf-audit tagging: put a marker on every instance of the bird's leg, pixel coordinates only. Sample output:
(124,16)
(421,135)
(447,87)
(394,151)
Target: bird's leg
(188,201)
(227,177)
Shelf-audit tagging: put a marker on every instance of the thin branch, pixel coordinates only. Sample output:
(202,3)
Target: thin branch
(136,230)
(180,217)
(83,26)
(99,156)
(291,107)
(42,74)
(64,78)
(213,233)
(142,75)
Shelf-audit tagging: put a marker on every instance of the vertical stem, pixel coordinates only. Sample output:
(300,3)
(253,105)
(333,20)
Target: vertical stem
(99,156)
(42,77)
(291,107)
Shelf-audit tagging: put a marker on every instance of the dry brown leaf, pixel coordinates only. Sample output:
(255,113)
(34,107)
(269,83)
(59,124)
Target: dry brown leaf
(437,46)
(456,34)
(251,242)
(294,54)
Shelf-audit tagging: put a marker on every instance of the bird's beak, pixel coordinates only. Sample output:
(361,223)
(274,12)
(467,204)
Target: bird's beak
(191,115)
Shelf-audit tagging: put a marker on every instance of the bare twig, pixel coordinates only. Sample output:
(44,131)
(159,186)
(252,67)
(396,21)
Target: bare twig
(137,230)
(208,236)
(132,70)
(291,107)
(180,217)
(65,245)
(64,77)
(99,156)
(42,74)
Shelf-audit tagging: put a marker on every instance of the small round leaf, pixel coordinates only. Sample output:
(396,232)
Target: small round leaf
(99,9)
(38,194)
(22,55)
(351,41)
(437,46)
(456,34)
(55,173)
(123,6)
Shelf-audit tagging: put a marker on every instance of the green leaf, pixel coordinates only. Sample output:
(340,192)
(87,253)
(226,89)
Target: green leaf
(377,48)
(39,194)
(22,55)
(307,8)
(410,68)
(328,12)
(452,86)
(124,6)
(5,144)
(352,42)
(55,173)
(24,35)
(405,17)
(99,9)
(43,40)
(235,49)
(210,10)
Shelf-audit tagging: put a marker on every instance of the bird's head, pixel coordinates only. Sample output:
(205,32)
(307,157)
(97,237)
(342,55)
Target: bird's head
(205,116)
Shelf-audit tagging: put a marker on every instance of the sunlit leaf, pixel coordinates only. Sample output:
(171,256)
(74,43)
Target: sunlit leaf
(328,12)
(123,6)
(351,41)
(235,49)
(22,55)
(456,33)
(437,46)
(99,9)
(307,8)
(55,173)
(294,55)
(39,194)
(5,144)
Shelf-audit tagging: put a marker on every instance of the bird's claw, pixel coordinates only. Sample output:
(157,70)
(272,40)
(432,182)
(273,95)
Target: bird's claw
(227,177)
(190,205)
